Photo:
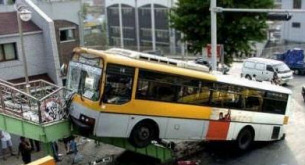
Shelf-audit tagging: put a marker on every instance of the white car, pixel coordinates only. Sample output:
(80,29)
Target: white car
(263,70)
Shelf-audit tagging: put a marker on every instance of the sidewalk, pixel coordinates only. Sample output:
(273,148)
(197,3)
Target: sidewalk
(87,149)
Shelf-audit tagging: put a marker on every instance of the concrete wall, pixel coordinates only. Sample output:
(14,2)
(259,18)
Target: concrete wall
(34,51)
(67,10)
(288,32)
(6,8)
(49,40)
(167,3)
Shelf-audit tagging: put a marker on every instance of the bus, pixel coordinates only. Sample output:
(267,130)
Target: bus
(127,94)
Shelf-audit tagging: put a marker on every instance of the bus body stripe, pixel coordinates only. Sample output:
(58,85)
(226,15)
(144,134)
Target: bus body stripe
(218,130)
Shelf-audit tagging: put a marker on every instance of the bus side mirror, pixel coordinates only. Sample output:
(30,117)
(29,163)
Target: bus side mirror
(63,69)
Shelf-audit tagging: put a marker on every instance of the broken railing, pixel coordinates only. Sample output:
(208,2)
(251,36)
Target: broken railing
(43,103)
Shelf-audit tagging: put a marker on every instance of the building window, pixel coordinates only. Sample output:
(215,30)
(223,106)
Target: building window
(127,10)
(116,41)
(115,29)
(146,32)
(145,11)
(161,12)
(114,10)
(8,52)
(296,24)
(162,34)
(66,34)
(297,4)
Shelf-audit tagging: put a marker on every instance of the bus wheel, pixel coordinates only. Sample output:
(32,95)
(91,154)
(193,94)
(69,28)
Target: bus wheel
(248,77)
(142,134)
(244,139)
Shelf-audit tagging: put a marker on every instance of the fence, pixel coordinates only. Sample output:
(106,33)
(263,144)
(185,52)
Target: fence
(44,103)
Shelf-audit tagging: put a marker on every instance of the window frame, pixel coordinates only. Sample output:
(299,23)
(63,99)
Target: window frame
(106,72)
(4,55)
(297,4)
(73,29)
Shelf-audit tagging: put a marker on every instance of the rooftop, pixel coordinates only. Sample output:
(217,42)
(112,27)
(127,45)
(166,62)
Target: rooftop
(9,24)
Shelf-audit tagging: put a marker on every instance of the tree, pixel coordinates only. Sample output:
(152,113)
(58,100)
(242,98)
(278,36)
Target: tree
(236,31)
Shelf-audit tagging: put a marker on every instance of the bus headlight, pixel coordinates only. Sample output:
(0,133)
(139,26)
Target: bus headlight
(87,120)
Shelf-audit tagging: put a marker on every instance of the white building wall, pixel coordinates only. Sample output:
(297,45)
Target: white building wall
(67,10)
(34,51)
(167,3)
(49,40)
(288,32)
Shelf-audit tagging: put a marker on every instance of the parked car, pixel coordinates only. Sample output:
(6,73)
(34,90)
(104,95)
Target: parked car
(303,92)
(225,69)
(264,69)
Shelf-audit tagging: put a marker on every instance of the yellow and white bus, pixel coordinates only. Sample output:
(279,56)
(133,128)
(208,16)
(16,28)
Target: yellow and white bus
(127,94)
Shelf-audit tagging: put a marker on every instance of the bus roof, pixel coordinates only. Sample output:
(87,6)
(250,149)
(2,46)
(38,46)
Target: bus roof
(154,66)
(159,67)
(252,84)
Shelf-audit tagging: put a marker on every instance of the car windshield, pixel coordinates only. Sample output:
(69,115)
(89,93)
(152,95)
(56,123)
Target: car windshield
(281,68)
(84,79)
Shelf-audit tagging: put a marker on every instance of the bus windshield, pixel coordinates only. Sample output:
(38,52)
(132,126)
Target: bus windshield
(84,79)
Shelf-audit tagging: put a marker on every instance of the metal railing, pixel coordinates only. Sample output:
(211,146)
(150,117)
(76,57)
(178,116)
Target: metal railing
(44,104)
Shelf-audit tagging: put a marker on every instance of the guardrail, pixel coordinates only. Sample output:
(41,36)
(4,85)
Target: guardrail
(43,104)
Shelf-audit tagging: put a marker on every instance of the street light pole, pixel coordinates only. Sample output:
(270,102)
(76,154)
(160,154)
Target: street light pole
(25,15)
(213,34)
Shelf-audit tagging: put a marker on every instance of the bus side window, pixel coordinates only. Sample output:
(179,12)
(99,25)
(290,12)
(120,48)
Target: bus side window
(118,87)
(253,103)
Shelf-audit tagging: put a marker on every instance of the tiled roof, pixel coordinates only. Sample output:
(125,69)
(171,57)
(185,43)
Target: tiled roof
(9,24)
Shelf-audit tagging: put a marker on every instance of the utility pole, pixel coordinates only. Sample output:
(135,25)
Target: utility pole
(213,34)
(137,25)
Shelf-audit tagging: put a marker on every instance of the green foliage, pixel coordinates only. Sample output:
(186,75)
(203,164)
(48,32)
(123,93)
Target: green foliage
(84,10)
(96,39)
(236,31)
(10,2)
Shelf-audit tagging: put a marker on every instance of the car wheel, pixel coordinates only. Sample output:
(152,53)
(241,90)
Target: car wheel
(142,134)
(296,72)
(248,77)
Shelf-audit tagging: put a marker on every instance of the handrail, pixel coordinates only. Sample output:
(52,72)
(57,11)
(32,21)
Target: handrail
(50,94)
(24,93)
(33,106)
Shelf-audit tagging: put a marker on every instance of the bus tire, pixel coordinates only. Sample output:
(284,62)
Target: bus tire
(248,77)
(142,134)
(244,139)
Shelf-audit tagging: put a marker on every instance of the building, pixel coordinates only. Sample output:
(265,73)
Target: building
(49,38)
(293,30)
(141,25)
